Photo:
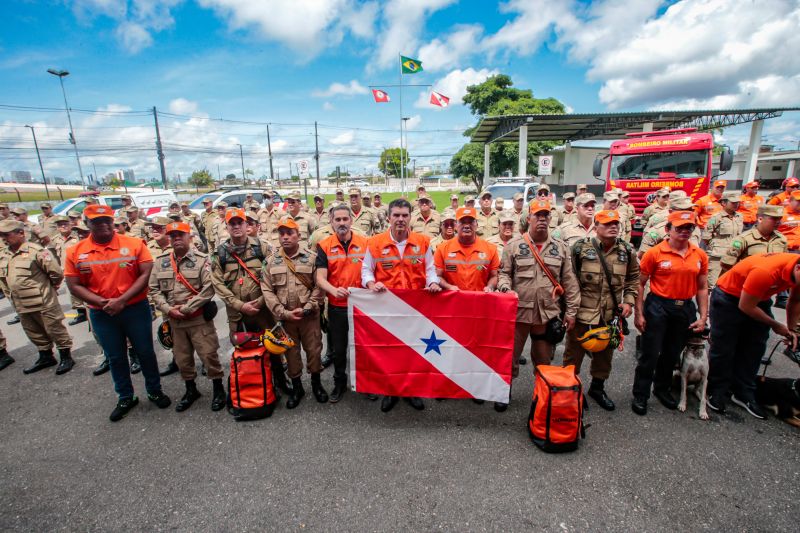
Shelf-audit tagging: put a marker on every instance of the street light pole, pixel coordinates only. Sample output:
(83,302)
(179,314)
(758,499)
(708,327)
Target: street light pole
(39,157)
(60,74)
(241,156)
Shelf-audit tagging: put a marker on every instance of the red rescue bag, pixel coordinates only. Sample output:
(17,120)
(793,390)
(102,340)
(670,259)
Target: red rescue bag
(555,422)
(251,394)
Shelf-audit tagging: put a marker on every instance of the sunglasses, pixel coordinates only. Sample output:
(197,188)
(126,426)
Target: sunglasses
(542,193)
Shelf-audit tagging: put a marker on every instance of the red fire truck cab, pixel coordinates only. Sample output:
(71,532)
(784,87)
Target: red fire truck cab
(643,163)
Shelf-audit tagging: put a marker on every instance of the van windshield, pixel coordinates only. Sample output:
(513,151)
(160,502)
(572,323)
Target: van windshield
(691,164)
(197,203)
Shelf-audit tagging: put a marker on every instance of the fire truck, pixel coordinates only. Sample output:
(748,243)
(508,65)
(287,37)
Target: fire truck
(643,163)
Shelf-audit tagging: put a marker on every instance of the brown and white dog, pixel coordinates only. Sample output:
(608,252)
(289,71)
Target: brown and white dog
(694,369)
(781,396)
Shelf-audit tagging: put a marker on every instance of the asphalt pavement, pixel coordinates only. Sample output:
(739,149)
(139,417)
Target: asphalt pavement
(455,466)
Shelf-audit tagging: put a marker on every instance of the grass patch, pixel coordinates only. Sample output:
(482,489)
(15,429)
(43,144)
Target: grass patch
(441,199)
(36,196)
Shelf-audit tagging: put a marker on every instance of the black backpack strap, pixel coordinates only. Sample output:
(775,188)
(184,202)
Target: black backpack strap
(602,258)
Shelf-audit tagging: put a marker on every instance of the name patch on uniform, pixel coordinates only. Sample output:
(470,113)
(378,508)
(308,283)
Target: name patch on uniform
(665,264)
(385,251)
(387,264)
(451,254)
(83,256)
(450,268)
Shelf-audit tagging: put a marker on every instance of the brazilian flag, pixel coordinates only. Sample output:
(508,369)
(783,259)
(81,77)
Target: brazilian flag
(410,66)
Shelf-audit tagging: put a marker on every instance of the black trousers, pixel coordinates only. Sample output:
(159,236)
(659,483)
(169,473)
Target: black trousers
(738,343)
(339,331)
(664,337)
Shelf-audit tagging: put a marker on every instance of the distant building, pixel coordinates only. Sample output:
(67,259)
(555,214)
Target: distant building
(21,176)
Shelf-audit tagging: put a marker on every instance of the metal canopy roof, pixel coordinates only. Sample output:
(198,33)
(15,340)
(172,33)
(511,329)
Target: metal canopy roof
(611,125)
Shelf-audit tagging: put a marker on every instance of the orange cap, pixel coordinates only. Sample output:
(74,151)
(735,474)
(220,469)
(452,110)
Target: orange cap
(537,206)
(751,185)
(795,195)
(288,223)
(235,212)
(721,183)
(183,227)
(791,182)
(606,216)
(93,211)
(462,212)
(682,218)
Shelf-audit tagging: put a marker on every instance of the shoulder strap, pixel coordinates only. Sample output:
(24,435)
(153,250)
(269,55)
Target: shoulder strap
(290,264)
(558,290)
(601,256)
(180,276)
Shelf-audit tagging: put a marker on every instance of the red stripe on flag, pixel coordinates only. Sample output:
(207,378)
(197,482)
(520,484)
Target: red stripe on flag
(481,322)
(385,365)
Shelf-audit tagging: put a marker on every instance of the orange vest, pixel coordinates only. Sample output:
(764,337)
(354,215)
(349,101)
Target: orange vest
(344,266)
(748,207)
(790,228)
(706,207)
(393,271)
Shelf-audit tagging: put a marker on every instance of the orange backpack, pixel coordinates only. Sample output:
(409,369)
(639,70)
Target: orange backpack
(251,393)
(555,422)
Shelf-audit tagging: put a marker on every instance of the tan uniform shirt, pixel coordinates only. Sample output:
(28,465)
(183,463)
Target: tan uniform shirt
(651,210)
(250,205)
(488,225)
(720,231)
(156,249)
(751,242)
(571,231)
(283,291)
(658,231)
(382,212)
(268,222)
(320,219)
(596,305)
(31,276)
(431,227)
(520,272)
(138,229)
(205,221)
(499,243)
(436,241)
(367,221)
(166,291)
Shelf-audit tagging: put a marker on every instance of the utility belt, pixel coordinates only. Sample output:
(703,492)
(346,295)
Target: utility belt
(673,301)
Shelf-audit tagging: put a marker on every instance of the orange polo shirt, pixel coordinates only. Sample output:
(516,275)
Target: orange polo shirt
(467,267)
(790,227)
(110,269)
(706,207)
(762,276)
(671,275)
(748,207)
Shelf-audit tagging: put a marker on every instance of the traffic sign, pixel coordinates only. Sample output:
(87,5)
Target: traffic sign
(545,165)
(302,167)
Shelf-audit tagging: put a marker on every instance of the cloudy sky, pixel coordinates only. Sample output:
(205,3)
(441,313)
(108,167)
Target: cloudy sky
(219,70)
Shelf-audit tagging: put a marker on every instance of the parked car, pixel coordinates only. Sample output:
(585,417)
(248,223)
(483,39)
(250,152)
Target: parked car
(151,202)
(233,197)
(507,188)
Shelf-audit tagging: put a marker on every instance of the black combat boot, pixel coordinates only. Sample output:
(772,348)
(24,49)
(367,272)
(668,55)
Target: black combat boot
(296,395)
(338,391)
(66,363)
(136,367)
(319,391)
(171,368)
(13,321)
(279,376)
(597,393)
(5,359)
(45,359)
(79,317)
(102,368)
(189,396)
(218,398)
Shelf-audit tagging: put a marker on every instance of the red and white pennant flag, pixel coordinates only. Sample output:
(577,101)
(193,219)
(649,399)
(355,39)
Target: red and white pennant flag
(455,344)
(380,96)
(439,99)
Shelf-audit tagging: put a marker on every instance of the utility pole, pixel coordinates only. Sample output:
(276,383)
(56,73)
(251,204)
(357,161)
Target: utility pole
(316,151)
(241,156)
(338,176)
(219,176)
(95,172)
(60,74)
(39,157)
(160,150)
(269,149)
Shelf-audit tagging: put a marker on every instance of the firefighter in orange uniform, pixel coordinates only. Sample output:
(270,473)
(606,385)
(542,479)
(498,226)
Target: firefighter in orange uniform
(707,206)
(339,260)
(467,262)
(789,186)
(790,223)
(749,205)
(399,259)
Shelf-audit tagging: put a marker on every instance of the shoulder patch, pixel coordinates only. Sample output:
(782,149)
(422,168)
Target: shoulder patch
(737,244)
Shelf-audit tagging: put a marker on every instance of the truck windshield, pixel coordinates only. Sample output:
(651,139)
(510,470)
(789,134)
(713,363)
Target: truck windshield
(691,164)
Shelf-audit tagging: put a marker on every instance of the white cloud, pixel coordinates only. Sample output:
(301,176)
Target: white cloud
(454,86)
(341,89)
(447,53)
(182,106)
(413,122)
(136,19)
(327,106)
(343,138)
(133,37)
(402,22)
(530,28)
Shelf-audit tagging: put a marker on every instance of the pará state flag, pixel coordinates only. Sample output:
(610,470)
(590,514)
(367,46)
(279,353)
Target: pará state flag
(380,96)
(439,99)
(454,344)
(409,65)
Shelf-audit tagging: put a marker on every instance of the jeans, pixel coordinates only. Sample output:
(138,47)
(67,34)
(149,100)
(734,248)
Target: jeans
(738,343)
(664,337)
(338,327)
(133,323)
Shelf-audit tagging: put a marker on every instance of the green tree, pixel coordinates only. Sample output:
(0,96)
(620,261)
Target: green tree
(201,178)
(494,97)
(390,161)
(115,183)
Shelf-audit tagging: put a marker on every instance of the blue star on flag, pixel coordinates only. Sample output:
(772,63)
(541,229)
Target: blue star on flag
(432,343)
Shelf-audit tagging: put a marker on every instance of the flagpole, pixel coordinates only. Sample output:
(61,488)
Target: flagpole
(402,166)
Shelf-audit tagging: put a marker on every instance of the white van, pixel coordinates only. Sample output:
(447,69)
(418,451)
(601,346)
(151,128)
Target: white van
(151,202)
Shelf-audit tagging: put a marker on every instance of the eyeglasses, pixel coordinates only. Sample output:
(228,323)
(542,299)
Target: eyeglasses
(685,227)
(542,193)
(449,224)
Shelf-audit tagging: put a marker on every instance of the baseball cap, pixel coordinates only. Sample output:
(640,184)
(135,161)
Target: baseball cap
(449,215)
(97,211)
(120,220)
(184,204)
(126,197)
(175,216)
(289,223)
(160,221)
(610,196)
(606,216)
(46,205)
(454,197)
(663,192)
(463,212)
(4,205)
(543,187)
(751,185)
(248,195)
(505,216)
(223,205)
(294,195)
(366,194)
(424,196)
(73,214)
(769,210)
(174,204)
(82,227)
(569,196)
(319,197)
(581,186)
(678,193)
(732,196)
(721,183)
(682,218)
(208,201)
(8,225)
(235,212)
(537,206)
(500,199)
(585,198)
(339,191)
(484,194)
(132,209)
(60,218)
(19,211)
(183,227)
(680,203)
(791,182)
(517,196)
(354,191)
(624,194)
(376,195)
(469,198)
(251,215)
